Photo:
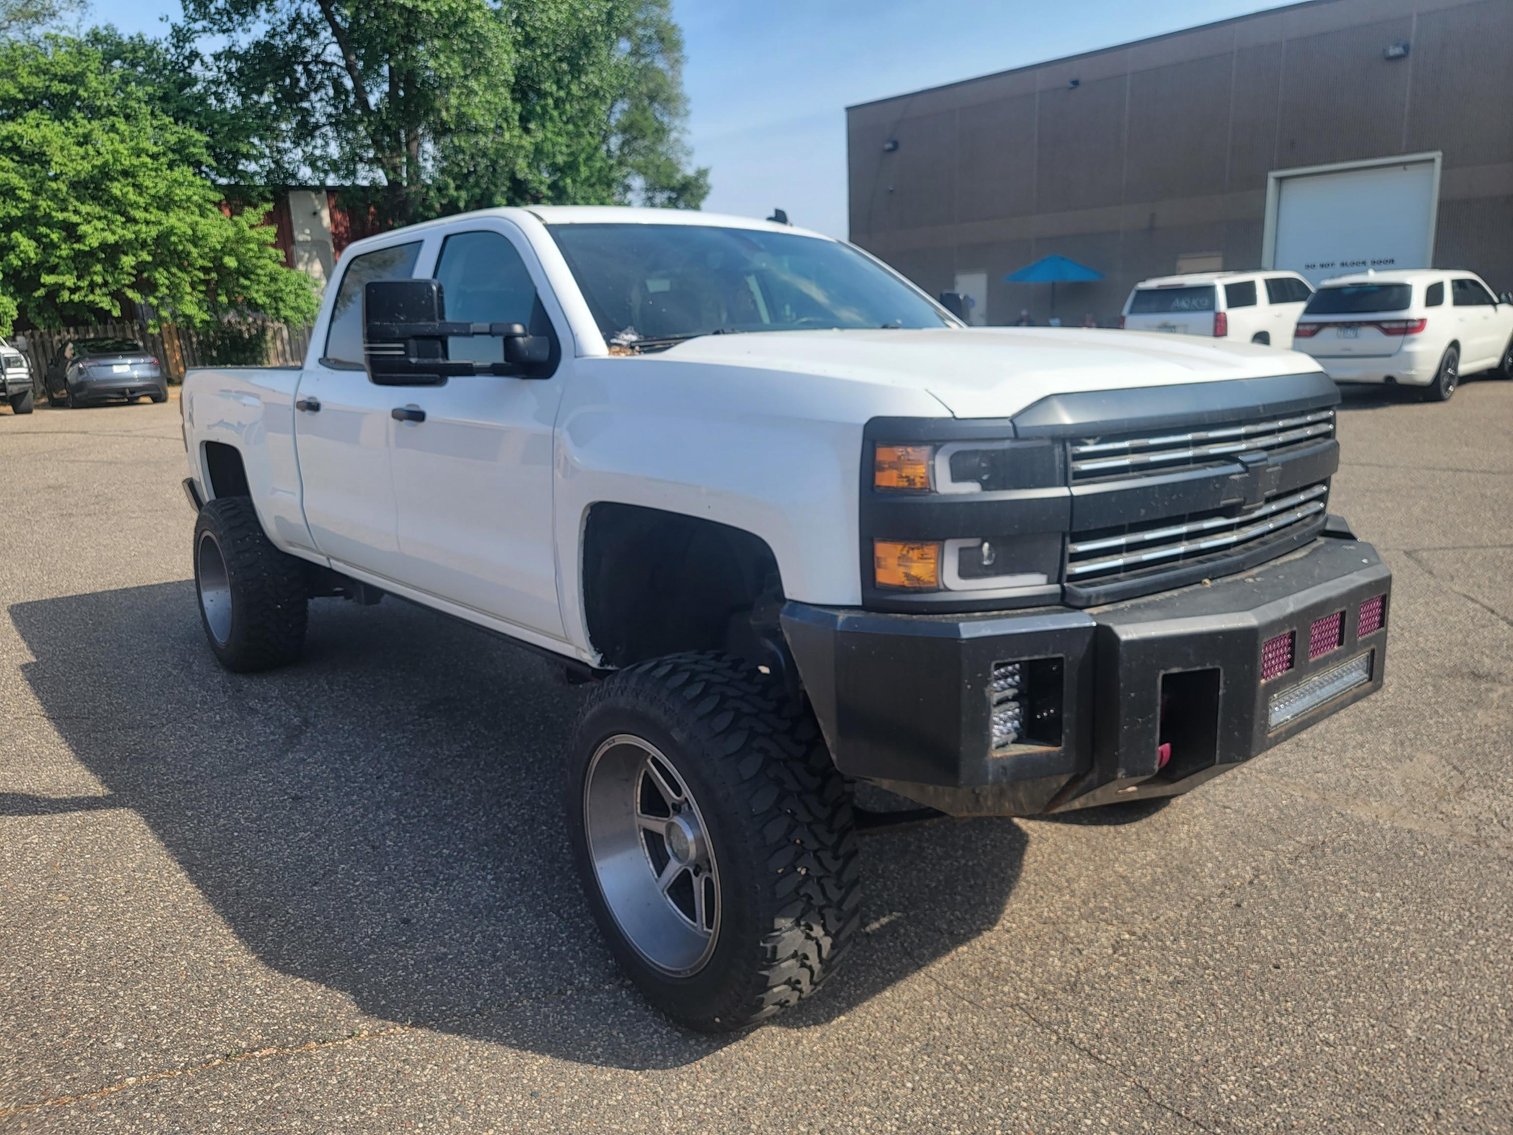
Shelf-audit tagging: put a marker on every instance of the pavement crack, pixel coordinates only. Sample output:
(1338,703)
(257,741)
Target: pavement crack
(1413,554)
(1425,468)
(1133,1081)
(229,1058)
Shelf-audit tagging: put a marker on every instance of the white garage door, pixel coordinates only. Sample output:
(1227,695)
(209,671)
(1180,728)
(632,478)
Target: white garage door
(1330,222)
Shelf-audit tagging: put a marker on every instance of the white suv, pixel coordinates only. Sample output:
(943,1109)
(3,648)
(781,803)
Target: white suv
(1249,307)
(1424,327)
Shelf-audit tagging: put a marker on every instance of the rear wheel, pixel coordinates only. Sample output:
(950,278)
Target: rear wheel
(1261,338)
(160,396)
(714,839)
(253,598)
(1446,378)
(23,403)
(1505,367)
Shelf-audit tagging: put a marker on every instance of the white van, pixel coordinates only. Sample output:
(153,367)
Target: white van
(1248,307)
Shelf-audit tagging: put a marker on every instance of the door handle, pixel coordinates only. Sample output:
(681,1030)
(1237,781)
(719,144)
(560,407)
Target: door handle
(407,414)
(308,405)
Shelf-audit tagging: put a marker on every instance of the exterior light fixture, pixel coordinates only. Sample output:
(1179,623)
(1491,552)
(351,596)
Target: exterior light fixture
(1396,50)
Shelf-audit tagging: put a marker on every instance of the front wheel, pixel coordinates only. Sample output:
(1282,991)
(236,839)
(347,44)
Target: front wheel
(1505,366)
(1445,379)
(714,839)
(22,403)
(254,599)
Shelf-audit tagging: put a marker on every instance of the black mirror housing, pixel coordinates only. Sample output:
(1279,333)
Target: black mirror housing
(405,333)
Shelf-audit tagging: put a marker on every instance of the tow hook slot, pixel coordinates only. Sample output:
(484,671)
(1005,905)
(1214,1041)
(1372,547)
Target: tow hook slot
(1187,739)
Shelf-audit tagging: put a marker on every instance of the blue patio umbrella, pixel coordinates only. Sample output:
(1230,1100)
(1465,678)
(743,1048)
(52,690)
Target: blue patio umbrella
(1054,270)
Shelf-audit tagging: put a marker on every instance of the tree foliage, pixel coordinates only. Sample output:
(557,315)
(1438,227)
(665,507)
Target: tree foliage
(23,18)
(102,196)
(455,104)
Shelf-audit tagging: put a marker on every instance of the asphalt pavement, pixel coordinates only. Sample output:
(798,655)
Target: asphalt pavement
(339,897)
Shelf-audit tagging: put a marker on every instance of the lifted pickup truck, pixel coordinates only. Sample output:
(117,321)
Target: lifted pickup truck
(800,528)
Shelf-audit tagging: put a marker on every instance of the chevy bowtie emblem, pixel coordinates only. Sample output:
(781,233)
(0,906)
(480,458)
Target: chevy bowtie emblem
(1257,481)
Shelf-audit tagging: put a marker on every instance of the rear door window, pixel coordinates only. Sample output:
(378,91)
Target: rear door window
(1284,289)
(1165,301)
(1470,293)
(344,338)
(1242,294)
(1360,299)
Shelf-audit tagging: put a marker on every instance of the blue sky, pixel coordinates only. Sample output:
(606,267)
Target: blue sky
(769,82)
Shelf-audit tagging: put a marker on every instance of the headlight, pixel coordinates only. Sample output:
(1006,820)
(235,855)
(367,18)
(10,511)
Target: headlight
(903,468)
(956,511)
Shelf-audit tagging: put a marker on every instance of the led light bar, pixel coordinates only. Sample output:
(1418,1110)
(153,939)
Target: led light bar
(1285,705)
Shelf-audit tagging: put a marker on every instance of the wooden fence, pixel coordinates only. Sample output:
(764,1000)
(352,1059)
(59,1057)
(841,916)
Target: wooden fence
(254,343)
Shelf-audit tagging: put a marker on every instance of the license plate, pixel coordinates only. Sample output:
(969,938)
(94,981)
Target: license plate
(1350,332)
(119,368)
(1169,328)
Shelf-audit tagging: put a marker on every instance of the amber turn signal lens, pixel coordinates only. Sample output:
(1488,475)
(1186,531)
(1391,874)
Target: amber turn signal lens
(906,565)
(903,467)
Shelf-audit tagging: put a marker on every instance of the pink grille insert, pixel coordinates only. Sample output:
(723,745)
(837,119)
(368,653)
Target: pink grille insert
(1325,635)
(1276,656)
(1373,613)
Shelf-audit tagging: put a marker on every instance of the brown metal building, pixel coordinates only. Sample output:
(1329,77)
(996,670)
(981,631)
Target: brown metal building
(1169,154)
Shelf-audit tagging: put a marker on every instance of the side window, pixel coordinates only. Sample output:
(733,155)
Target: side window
(1301,292)
(484,280)
(1279,290)
(344,338)
(1469,293)
(1240,295)
(1435,295)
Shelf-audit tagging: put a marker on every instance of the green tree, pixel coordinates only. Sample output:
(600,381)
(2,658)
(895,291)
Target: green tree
(450,104)
(22,18)
(101,199)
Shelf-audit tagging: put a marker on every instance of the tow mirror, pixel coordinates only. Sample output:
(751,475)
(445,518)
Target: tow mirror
(405,333)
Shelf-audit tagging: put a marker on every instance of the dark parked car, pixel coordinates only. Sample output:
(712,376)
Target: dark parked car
(99,370)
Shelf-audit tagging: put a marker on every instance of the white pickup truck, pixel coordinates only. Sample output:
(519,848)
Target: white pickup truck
(800,528)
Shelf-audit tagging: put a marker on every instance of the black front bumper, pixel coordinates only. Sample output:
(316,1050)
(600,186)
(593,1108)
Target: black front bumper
(1144,698)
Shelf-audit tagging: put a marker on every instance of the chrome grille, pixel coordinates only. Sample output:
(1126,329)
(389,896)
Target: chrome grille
(1139,456)
(1095,556)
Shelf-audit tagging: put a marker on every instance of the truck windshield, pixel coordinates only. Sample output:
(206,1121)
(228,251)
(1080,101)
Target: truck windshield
(1351,299)
(650,283)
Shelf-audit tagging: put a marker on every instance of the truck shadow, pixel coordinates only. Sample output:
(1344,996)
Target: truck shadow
(385,820)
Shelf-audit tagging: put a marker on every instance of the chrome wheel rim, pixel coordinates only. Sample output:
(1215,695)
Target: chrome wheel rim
(1452,375)
(214,587)
(652,858)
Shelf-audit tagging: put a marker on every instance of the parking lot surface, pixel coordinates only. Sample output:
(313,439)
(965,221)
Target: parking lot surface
(338,897)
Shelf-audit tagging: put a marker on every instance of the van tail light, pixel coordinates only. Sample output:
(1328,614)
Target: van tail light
(1221,324)
(1402,326)
(1307,330)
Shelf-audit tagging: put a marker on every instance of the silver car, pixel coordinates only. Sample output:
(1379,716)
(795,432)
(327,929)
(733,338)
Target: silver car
(104,370)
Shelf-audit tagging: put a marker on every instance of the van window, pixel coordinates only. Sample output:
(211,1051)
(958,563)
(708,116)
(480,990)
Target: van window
(1163,301)
(1240,295)
(344,337)
(1469,293)
(1358,299)
(1435,296)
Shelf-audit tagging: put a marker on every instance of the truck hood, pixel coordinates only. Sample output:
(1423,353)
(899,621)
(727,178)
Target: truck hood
(991,372)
